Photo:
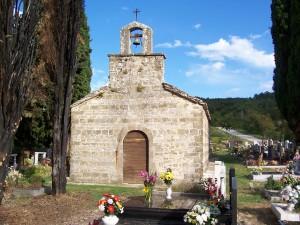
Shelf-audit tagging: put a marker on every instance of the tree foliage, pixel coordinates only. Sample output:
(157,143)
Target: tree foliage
(35,131)
(81,86)
(258,115)
(18,23)
(286,38)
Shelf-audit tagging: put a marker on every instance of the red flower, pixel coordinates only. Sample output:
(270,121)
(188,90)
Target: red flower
(116,198)
(111,209)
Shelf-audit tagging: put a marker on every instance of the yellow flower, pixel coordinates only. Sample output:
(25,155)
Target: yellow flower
(146,189)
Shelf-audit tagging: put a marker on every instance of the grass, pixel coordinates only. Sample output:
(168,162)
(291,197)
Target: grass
(96,191)
(248,191)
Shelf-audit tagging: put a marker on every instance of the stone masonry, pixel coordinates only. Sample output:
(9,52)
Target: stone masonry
(137,98)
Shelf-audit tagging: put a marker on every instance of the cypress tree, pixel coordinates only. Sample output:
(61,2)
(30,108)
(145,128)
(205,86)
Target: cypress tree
(81,85)
(286,39)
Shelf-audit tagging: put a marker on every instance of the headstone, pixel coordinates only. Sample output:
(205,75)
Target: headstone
(297,167)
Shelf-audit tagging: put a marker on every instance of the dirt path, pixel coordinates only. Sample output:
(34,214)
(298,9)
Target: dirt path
(256,214)
(70,209)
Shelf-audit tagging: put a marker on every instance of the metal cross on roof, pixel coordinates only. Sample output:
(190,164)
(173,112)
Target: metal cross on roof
(136,11)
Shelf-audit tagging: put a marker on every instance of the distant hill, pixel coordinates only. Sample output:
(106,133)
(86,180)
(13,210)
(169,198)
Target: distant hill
(258,115)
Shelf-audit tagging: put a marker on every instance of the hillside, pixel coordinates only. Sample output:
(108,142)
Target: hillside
(258,115)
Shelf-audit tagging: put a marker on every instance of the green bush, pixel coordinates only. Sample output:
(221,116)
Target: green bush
(273,184)
(35,176)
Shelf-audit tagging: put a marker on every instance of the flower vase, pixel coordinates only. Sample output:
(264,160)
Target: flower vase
(110,220)
(290,207)
(169,192)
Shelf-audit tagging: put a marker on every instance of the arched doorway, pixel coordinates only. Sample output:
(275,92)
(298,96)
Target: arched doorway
(135,156)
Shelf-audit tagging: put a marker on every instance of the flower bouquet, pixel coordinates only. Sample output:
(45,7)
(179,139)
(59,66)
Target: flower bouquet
(149,182)
(200,214)
(111,206)
(167,177)
(292,196)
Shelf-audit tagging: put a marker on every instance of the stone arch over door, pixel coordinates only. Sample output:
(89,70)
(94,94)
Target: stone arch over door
(135,156)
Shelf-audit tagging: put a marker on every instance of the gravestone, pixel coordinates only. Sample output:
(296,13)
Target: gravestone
(297,167)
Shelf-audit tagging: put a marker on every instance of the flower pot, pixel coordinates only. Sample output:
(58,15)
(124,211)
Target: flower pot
(169,193)
(110,220)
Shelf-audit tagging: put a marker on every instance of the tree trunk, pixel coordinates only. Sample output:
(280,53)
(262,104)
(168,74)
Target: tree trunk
(5,151)
(66,28)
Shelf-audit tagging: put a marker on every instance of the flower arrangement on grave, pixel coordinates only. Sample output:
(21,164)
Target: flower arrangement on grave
(292,196)
(210,186)
(167,177)
(272,184)
(201,214)
(110,204)
(149,182)
(257,170)
(288,179)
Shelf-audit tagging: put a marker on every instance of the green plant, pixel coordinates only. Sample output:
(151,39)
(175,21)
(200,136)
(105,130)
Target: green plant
(289,180)
(273,184)
(257,170)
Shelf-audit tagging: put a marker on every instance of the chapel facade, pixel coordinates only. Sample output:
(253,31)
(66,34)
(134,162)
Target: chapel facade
(138,122)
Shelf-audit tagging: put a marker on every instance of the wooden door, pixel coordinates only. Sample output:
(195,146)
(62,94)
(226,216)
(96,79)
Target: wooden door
(135,156)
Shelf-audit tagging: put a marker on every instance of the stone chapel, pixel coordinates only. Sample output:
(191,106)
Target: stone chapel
(138,122)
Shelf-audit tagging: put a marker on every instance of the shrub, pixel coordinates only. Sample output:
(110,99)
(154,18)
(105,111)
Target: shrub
(273,184)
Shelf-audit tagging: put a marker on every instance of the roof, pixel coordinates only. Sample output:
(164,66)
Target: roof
(174,90)
(168,87)
(91,95)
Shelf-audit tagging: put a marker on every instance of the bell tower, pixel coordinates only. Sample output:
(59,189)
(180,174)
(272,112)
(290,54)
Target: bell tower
(131,70)
(136,35)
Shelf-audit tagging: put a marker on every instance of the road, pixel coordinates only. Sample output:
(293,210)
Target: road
(241,135)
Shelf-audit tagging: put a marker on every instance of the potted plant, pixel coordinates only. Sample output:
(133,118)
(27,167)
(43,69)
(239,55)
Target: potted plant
(111,206)
(168,177)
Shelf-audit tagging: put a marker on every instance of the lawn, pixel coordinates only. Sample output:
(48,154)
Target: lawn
(96,191)
(248,191)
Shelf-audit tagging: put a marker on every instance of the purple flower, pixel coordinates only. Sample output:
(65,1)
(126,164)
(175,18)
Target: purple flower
(143,173)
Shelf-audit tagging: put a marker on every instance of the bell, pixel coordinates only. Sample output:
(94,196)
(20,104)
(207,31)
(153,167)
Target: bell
(136,41)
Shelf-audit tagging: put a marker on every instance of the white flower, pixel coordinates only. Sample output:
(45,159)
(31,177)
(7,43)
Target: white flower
(110,201)
(101,208)
(199,219)
(204,217)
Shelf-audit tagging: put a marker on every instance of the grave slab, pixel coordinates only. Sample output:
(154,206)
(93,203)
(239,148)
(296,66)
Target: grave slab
(284,215)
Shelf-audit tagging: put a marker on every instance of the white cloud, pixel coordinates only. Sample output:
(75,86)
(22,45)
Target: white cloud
(257,36)
(237,49)
(98,79)
(197,26)
(211,73)
(175,44)
(266,86)
(125,8)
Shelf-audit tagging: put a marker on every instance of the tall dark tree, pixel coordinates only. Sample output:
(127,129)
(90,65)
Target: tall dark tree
(286,38)
(81,86)
(18,23)
(64,21)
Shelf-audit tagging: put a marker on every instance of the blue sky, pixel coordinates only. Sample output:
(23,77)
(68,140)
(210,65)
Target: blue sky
(214,48)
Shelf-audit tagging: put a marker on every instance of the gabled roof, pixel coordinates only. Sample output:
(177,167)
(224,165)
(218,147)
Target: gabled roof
(91,95)
(174,90)
(168,87)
